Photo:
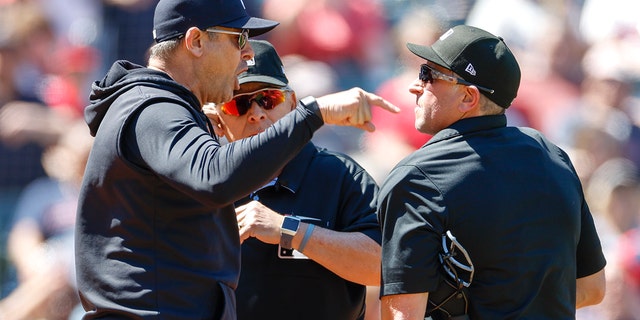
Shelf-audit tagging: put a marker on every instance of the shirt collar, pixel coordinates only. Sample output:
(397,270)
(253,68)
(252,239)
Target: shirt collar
(469,125)
(293,172)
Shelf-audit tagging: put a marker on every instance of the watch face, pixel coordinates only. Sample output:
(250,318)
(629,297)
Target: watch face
(290,224)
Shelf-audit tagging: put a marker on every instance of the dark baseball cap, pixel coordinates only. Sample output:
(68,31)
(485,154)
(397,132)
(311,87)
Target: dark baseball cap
(173,18)
(265,67)
(478,57)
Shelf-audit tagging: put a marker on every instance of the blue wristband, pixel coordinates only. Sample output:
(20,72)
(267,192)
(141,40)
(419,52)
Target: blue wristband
(307,235)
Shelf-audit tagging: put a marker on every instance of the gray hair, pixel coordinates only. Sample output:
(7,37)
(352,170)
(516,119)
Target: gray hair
(489,107)
(164,49)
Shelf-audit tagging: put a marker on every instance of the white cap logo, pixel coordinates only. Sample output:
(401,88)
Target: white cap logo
(470,69)
(251,62)
(446,34)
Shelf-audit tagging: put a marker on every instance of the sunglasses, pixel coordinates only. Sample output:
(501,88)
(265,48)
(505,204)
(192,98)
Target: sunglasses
(242,39)
(267,99)
(428,74)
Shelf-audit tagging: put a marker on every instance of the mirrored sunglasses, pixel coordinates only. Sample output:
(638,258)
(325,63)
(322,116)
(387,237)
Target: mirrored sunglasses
(267,99)
(428,74)
(243,36)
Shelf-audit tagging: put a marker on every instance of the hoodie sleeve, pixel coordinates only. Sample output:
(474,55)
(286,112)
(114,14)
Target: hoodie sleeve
(171,144)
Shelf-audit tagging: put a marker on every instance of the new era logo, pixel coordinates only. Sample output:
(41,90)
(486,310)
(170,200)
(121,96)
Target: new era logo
(446,34)
(251,62)
(469,69)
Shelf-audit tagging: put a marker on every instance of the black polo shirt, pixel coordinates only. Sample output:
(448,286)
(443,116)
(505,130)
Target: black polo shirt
(512,199)
(327,189)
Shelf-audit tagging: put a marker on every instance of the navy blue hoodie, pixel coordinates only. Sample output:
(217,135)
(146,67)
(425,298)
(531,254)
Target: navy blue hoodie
(156,233)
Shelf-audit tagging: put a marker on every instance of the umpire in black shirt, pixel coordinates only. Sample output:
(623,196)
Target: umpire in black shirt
(485,221)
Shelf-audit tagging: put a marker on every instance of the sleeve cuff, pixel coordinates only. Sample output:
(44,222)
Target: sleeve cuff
(311,104)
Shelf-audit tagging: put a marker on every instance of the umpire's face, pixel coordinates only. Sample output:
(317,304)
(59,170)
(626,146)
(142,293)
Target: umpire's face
(440,100)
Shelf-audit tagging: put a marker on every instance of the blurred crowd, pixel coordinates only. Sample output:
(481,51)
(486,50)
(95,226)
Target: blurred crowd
(580,87)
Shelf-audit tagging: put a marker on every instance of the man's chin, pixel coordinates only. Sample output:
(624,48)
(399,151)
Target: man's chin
(223,99)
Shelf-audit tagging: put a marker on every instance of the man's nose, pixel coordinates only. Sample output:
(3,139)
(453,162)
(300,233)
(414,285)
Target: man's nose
(256,112)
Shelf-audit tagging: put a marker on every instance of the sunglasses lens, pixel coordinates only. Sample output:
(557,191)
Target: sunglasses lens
(269,99)
(242,40)
(425,74)
(238,106)
(230,108)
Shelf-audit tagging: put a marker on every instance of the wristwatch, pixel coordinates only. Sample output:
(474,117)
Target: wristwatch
(288,230)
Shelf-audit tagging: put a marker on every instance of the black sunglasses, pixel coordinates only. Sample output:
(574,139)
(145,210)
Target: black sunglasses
(428,74)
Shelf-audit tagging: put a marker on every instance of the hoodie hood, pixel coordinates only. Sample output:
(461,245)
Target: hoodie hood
(123,76)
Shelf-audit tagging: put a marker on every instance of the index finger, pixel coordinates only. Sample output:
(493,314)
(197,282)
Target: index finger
(381,102)
(367,126)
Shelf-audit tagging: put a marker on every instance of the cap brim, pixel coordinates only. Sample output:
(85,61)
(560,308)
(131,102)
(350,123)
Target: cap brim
(262,79)
(256,26)
(427,53)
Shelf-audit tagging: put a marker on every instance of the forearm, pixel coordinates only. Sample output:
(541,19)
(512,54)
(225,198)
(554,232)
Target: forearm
(590,290)
(351,255)
(404,306)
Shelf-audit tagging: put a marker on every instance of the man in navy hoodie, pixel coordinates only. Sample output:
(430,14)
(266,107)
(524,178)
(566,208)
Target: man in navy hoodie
(157,236)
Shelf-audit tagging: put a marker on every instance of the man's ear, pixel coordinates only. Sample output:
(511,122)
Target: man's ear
(471,99)
(193,41)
